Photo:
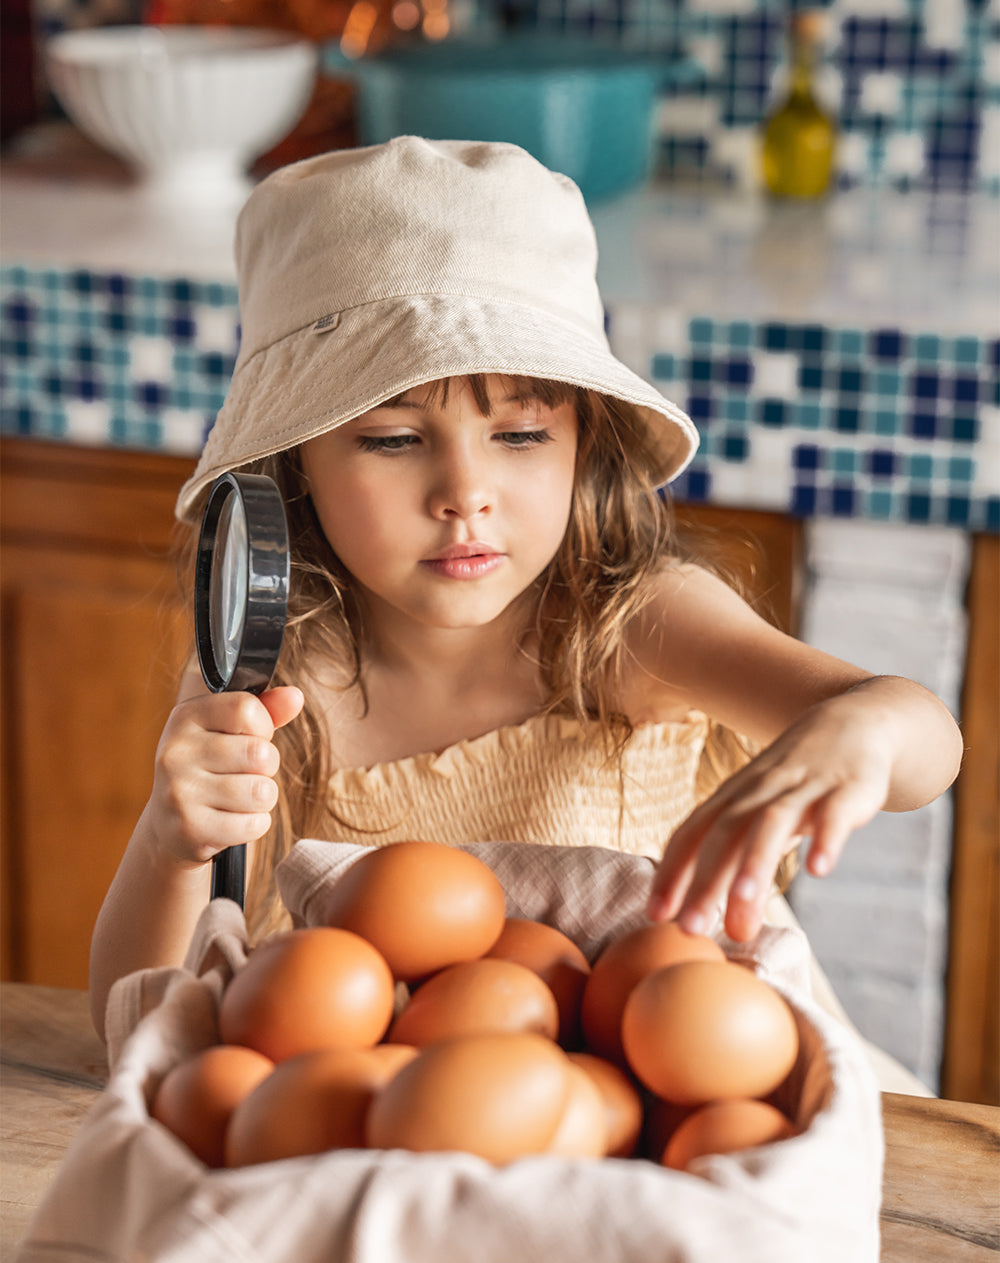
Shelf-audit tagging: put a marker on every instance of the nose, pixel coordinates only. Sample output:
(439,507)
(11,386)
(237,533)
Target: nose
(461,489)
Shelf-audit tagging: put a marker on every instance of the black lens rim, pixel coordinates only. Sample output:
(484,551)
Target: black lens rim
(268,572)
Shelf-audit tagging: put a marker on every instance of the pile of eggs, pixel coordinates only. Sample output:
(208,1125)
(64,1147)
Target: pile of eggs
(420,1017)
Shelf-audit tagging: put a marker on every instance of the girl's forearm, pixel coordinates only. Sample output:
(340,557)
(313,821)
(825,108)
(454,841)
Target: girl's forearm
(147,918)
(924,743)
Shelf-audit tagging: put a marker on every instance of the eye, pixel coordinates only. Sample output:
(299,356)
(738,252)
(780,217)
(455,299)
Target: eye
(386,442)
(524,438)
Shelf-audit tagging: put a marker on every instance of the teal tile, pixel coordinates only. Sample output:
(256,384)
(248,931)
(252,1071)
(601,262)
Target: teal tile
(886,381)
(701,332)
(741,335)
(921,467)
(927,348)
(664,367)
(967,352)
(849,341)
(960,469)
(809,416)
(736,408)
(843,460)
(880,504)
(886,422)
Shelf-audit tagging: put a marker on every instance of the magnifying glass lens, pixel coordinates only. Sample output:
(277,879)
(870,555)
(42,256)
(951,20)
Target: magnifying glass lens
(230,563)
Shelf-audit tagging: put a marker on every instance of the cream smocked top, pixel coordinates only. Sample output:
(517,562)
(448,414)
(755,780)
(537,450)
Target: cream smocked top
(548,780)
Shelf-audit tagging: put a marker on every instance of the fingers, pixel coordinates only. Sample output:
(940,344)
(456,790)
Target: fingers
(282,704)
(214,785)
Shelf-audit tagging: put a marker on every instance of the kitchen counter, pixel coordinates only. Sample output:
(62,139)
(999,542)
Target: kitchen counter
(941,1198)
(839,359)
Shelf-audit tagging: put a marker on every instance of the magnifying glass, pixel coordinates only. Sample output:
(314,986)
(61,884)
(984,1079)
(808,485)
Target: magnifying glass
(240,606)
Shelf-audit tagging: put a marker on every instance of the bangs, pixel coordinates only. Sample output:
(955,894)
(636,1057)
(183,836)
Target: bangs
(524,390)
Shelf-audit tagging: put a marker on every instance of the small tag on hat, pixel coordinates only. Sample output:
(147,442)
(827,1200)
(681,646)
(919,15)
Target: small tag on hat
(326,323)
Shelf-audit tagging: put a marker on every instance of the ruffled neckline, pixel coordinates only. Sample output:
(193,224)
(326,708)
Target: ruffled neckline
(538,730)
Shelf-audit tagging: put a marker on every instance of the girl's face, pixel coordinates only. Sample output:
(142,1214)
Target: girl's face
(440,513)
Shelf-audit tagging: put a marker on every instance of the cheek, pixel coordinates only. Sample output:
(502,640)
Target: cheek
(356,521)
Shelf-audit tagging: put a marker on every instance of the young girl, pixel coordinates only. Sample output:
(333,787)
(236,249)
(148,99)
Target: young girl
(492,634)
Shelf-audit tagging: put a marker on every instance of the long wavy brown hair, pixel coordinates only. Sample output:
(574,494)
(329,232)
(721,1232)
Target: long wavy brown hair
(619,537)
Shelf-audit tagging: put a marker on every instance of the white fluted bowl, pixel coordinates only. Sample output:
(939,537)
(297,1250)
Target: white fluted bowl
(188,107)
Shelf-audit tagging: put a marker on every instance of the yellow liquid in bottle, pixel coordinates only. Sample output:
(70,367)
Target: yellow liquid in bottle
(799,137)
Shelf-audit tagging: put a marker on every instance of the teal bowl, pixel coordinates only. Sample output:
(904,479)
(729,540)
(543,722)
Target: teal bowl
(582,108)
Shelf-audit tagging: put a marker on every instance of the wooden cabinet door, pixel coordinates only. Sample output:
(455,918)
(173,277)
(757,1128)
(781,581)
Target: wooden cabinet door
(94,633)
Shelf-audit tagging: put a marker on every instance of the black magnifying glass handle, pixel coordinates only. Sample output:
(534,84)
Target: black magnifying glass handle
(240,609)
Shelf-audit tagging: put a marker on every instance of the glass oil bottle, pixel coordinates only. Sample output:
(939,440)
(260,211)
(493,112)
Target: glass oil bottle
(799,137)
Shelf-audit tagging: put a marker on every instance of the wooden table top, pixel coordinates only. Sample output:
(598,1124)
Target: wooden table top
(941,1186)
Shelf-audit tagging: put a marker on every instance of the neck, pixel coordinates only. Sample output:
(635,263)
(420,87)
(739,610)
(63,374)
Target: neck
(445,660)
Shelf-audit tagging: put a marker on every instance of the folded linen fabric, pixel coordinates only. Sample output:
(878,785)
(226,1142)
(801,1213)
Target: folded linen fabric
(127,1189)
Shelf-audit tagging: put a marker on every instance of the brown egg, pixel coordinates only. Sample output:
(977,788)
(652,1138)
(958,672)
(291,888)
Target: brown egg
(582,1131)
(476,997)
(707,1031)
(313,1102)
(306,990)
(621,965)
(555,958)
(197,1097)
(725,1127)
(500,1096)
(621,1100)
(422,904)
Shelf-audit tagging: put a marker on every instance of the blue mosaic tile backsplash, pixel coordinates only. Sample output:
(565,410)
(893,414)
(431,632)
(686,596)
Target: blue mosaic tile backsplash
(915,83)
(812,419)
(138,361)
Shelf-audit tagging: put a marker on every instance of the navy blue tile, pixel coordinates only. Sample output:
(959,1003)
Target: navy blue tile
(925,385)
(19,312)
(118,285)
(881,463)
(151,394)
(813,338)
(88,388)
(772,412)
(700,407)
(181,291)
(964,429)
(116,320)
(700,369)
(775,337)
(84,353)
(181,329)
(923,425)
(992,522)
(84,282)
(803,501)
(810,376)
(807,456)
(53,385)
(847,420)
(842,501)
(966,390)
(737,372)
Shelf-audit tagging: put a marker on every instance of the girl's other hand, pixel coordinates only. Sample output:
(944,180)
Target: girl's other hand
(825,776)
(213,785)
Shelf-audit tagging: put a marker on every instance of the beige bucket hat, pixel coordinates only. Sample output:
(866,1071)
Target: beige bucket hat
(365,272)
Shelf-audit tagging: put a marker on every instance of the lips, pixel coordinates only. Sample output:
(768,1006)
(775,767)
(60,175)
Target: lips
(456,552)
(465,561)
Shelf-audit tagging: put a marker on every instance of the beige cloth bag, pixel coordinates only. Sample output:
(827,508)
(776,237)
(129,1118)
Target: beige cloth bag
(127,1190)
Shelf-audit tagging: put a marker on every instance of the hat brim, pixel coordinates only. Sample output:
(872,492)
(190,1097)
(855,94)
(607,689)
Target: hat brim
(324,375)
